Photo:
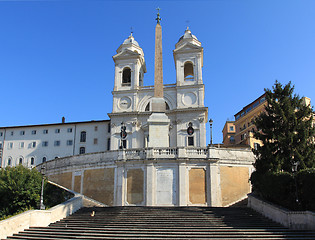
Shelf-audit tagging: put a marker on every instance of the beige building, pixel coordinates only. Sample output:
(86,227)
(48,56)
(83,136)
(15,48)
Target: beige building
(229,133)
(244,126)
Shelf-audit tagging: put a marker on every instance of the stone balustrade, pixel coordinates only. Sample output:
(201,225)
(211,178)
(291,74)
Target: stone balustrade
(147,154)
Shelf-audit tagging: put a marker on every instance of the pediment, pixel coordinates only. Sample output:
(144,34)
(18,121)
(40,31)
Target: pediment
(126,54)
(187,47)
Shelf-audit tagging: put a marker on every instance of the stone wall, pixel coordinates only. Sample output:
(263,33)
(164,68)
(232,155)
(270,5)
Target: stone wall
(158,177)
(235,183)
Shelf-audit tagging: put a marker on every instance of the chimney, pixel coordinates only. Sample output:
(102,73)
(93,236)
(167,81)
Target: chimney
(63,120)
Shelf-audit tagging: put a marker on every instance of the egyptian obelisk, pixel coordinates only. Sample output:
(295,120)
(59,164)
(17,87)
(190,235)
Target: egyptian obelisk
(158,121)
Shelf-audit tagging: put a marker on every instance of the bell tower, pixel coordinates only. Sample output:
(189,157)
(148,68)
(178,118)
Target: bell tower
(129,65)
(129,71)
(188,57)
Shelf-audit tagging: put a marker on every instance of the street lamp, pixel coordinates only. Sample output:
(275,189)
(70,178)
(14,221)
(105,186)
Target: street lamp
(294,171)
(210,122)
(42,206)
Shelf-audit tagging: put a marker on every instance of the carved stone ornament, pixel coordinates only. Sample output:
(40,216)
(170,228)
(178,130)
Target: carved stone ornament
(201,119)
(136,123)
(178,121)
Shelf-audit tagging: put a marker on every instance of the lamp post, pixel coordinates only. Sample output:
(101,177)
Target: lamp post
(42,206)
(294,170)
(210,122)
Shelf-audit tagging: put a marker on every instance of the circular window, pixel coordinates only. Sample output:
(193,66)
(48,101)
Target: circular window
(124,103)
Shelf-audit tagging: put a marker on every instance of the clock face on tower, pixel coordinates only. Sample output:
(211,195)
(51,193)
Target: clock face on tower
(124,103)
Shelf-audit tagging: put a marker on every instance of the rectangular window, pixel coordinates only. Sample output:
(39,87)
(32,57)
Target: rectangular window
(34,132)
(231,128)
(33,144)
(21,144)
(57,130)
(108,144)
(108,129)
(83,136)
(57,143)
(22,133)
(95,128)
(10,145)
(256,104)
(45,144)
(0,145)
(12,133)
(1,134)
(190,141)
(95,141)
(69,142)
(69,130)
(45,131)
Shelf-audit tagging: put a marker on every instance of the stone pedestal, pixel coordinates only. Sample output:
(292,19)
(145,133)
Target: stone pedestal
(158,130)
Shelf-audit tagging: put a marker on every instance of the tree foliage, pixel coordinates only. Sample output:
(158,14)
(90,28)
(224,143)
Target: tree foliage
(19,189)
(286,132)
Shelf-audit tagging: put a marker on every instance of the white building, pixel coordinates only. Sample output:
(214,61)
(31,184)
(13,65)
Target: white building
(32,145)
(132,102)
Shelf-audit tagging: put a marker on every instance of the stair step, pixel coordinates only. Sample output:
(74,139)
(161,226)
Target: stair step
(164,223)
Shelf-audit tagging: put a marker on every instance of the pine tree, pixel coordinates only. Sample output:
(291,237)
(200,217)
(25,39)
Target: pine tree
(286,131)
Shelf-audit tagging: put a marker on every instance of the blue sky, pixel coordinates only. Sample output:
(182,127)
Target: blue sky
(56,56)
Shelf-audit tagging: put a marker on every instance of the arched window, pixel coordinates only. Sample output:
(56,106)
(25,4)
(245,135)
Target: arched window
(188,71)
(147,108)
(32,161)
(82,150)
(126,77)
(9,161)
(83,136)
(20,160)
(167,107)
(44,159)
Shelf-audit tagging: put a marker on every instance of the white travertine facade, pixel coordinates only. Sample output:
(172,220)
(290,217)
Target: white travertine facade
(143,155)
(132,102)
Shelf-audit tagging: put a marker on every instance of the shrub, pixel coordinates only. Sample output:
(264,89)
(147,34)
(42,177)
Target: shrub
(278,188)
(306,188)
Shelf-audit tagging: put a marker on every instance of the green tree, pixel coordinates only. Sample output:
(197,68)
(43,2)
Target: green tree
(19,189)
(286,131)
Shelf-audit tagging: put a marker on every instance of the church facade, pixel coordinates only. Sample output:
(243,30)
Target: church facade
(184,100)
(155,151)
(158,153)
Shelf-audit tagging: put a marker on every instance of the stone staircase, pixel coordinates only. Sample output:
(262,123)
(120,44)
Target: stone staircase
(164,223)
